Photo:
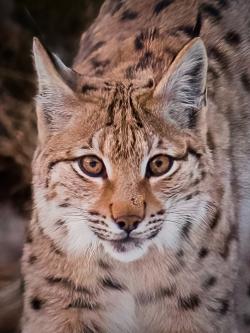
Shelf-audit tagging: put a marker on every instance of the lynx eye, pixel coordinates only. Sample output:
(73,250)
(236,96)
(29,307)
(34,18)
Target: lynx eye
(92,166)
(159,165)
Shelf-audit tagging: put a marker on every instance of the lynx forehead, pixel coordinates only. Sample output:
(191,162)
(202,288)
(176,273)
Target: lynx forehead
(134,220)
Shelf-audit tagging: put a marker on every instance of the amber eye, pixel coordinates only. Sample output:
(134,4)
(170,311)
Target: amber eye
(159,165)
(92,166)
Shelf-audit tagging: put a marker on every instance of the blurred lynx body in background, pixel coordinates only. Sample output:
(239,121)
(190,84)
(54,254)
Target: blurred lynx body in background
(141,174)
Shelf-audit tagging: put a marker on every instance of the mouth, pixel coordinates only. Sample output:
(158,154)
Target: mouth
(126,244)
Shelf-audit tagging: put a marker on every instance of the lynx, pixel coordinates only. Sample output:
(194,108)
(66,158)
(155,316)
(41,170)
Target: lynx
(141,174)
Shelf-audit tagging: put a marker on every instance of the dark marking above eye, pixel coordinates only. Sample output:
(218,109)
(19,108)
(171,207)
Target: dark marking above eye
(129,15)
(36,303)
(189,302)
(232,38)
(161,5)
(211,11)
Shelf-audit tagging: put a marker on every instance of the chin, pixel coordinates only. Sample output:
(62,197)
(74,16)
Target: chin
(126,251)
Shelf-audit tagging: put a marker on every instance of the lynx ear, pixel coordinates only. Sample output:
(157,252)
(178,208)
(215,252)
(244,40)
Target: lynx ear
(181,93)
(55,91)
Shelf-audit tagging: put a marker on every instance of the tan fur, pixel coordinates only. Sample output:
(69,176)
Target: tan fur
(126,107)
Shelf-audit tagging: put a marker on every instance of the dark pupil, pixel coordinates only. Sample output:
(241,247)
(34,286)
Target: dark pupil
(93,164)
(158,163)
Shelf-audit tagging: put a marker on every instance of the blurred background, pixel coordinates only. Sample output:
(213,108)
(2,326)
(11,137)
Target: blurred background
(61,23)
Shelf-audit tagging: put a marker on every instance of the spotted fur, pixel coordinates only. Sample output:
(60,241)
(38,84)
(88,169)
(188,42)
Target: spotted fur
(141,85)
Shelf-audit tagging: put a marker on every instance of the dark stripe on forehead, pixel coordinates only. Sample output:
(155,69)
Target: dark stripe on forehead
(110,110)
(135,114)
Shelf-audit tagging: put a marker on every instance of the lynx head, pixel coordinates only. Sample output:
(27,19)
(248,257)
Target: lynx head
(121,166)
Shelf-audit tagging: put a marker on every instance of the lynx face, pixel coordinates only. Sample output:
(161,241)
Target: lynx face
(122,166)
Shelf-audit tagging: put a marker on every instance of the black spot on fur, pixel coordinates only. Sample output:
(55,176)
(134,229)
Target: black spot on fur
(213,72)
(28,237)
(81,303)
(145,60)
(129,73)
(189,303)
(186,29)
(66,283)
(203,252)
(186,229)
(32,259)
(209,282)
(248,290)
(180,253)
(211,11)
(215,220)
(218,56)
(96,46)
(146,36)
(232,38)
(149,84)
(210,141)
(59,223)
(64,205)
(192,116)
(233,233)
(245,80)
(139,43)
(224,306)
(36,303)
(153,297)
(223,3)
(117,6)
(246,319)
(170,51)
(112,284)
(198,25)
(104,265)
(129,15)
(93,329)
(161,5)
(87,88)
(161,212)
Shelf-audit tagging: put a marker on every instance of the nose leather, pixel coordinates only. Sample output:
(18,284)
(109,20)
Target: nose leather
(128,222)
